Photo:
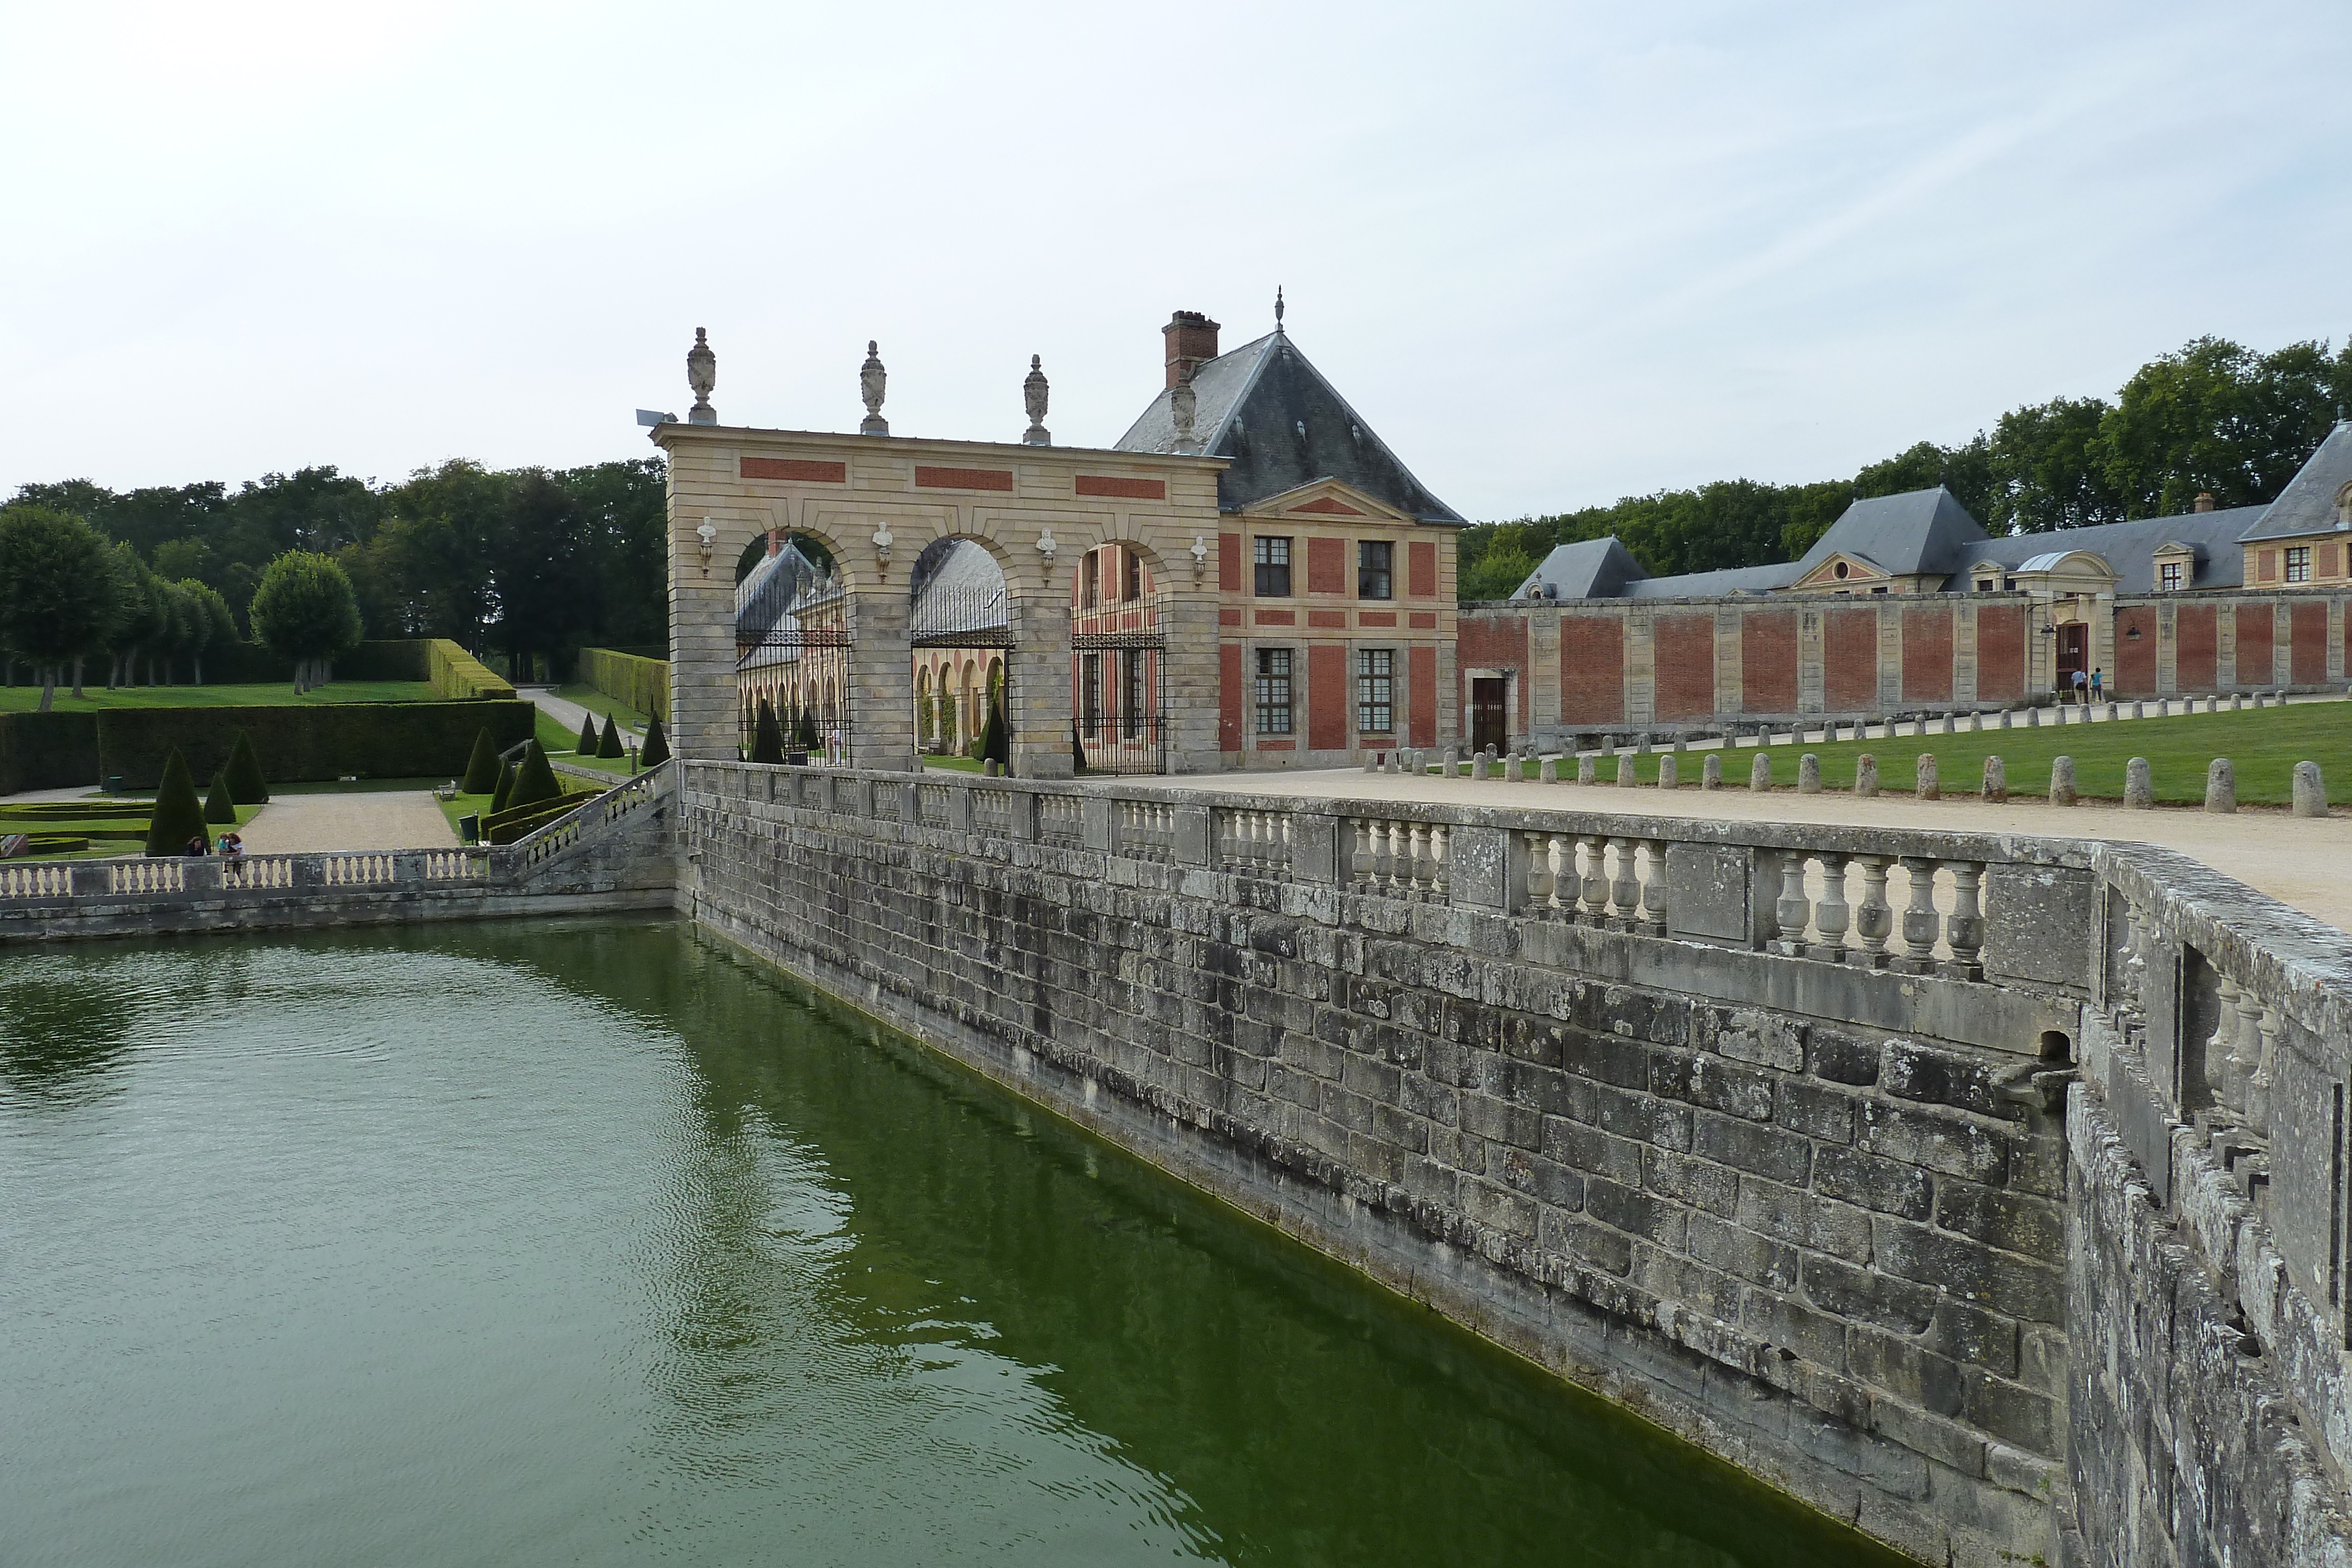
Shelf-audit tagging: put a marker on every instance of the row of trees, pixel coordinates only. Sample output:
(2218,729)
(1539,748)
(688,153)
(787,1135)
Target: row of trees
(529,561)
(2213,417)
(68,596)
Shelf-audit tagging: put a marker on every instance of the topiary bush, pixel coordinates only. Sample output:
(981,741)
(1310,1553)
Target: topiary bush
(587,743)
(804,736)
(995,744)
(246,787)
(609,744)
(220,806)
(655,750)
(534,780)
(482,767)
(766,737)
(179,815)
(500,796)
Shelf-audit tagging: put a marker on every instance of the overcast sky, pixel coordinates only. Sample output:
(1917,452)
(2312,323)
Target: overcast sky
(1554,252)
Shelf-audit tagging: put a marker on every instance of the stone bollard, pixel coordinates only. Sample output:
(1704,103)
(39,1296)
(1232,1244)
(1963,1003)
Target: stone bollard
(1996,779)
(1950,727)
(2139,709)
(1975,720)
(2114,713)
(1449,760)
(2310,790)
(1710,777)
(1670,772)
(1624,770)
(1682,744)
(1865,776)
(1509,768)
(1642,747)
(2261,699)
(2237,702)
(1926,788)
(2004,718)
(2034,718)
(2140,787)
(2221,787)
(1587,771)
(1547,771)
(1759,775)
(1809,774)
(1607,746)
(1373,763)
(2061,781)
(988,769)
(1478,766)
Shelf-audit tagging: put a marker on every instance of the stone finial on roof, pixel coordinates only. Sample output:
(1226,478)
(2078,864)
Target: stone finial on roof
(1183,407)
(701,375)
(872,379)
(1277,307)
(1033,390)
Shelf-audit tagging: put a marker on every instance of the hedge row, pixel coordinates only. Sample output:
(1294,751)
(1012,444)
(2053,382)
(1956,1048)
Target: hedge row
(457,674)
(633,681)
(48,751)
(374,741)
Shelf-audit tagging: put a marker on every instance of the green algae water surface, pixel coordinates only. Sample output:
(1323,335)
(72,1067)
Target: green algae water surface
(594,1244)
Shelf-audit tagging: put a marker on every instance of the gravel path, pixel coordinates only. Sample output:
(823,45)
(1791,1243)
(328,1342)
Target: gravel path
(376,819)
(569,714)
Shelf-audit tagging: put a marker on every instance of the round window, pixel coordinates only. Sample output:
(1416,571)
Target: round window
(1840,569)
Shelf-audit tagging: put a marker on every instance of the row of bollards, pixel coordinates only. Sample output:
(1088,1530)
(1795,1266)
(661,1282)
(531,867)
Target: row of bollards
(2310,797)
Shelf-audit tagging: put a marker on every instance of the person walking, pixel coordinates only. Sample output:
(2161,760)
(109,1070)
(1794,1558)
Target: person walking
(2082,684)
(2098,680)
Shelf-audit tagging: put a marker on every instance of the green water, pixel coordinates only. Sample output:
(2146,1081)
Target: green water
(596,1244)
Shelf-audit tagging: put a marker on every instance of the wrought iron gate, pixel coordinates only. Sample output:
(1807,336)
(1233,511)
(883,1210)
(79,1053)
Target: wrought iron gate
(1119,717)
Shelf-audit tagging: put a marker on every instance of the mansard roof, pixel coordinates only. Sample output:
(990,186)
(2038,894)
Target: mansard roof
(1283,426)
(771,589)
(2308,504)
(1586,569)
(1919,531)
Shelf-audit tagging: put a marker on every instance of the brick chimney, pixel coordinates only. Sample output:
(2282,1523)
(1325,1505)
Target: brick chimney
(775,541)
(2204,501)
(1191,339)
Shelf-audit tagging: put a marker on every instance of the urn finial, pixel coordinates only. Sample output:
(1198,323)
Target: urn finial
(1277,307)
(1032,395)
(871,380)
(701,375)
(1184,406)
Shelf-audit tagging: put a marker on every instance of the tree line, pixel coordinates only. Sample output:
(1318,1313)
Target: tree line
(2213,417)
(531,562)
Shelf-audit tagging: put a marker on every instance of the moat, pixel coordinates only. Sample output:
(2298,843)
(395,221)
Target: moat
(594,1243)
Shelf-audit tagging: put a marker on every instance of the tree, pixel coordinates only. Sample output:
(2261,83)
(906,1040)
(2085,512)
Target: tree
(305,611)
(539,569)
(56,590)
(482,767)
(2215,417)
(211,623)
(609,745)
(178,815)
(1497,574)
(655,750)
(247,786)
(995,743)
(2047,469)
(767,738)
(220,806)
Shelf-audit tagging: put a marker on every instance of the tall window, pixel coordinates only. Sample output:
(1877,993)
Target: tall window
(1376,690)
(2169,576)
(1090,690)
(1273,569)
(1131,710)
(1373,579)
(1134,575)
(2298,563)
(1274,686)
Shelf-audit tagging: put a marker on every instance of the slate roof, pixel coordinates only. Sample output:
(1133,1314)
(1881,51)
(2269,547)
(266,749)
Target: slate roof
(1707,584)
(770,588)
(958,587)
(2307,504)
(1588,569)
(1283,426)
(2130,548)
(1919,531)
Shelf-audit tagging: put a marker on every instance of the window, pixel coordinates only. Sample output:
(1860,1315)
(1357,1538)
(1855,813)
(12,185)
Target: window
(1374,578)
(1131,713)
(1273,682)
(1090,690)
(1089,580)
(1134,575)
(1375,690)
(2168,577)
(1273,571)
(1986,585)
(2298,563)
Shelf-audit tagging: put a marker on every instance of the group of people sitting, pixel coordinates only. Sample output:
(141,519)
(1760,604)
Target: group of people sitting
(231,846)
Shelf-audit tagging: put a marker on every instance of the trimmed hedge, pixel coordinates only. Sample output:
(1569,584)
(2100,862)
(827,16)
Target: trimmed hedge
(179,815)
(374,741)
(633,681)
(49,751)
(457,674)
(251,665)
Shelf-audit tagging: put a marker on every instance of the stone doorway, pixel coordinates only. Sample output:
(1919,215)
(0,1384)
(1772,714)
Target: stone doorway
(1490,721)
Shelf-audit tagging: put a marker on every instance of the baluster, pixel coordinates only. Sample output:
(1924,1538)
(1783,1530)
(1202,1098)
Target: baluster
(1919,920)
(1625,888)
(2217,1046)
(1363,855)
(1964,928)
(1793,911)
(1440,852)
(2246,1052)
(1594,884)
(1565,887)
(2258,1088)
(1831,915)
(1414,874)
(1654,886)
(1539,871)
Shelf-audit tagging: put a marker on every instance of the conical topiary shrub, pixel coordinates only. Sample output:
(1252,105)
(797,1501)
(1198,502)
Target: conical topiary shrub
(804,736)
(219,805)
(995,744)
(482,767)
(767,736)
(505,790)
(179,816)
(1077,748)
(586,746)
(609,743)
(655,750)
(534,780)
(245,785)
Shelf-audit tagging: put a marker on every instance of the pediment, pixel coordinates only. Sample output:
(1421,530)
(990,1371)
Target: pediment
(1328,498)
(1858,568)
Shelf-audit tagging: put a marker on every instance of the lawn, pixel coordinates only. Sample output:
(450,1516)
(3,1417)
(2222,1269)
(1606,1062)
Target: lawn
(557,741)
(2264,744)
(600,705)
(952,764)
(97,698)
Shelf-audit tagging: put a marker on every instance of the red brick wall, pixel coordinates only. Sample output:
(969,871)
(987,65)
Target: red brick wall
(1850,654)
(1229,564)
(1422,711)
(2196,647)
(2134,673)
(2253,644)
(1494,642)
(1592,669)
(2308,635)
(1928,654)
(1326,697)
(1685,662)
(1327,566)
(1230,691)
(1768,661)
(2000,652)
(1422,571)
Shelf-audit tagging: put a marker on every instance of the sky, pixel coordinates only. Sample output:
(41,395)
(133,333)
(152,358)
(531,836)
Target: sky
(1554,254)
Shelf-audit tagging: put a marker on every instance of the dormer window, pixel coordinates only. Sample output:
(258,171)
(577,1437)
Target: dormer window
(2168,577)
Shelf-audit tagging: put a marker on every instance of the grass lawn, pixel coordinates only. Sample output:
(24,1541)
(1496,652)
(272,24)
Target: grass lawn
(558,741)
(25,699)
(2264,746)
(953,764)
(600,705)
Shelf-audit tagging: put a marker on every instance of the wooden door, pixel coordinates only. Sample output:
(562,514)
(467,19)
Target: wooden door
(1490,722)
